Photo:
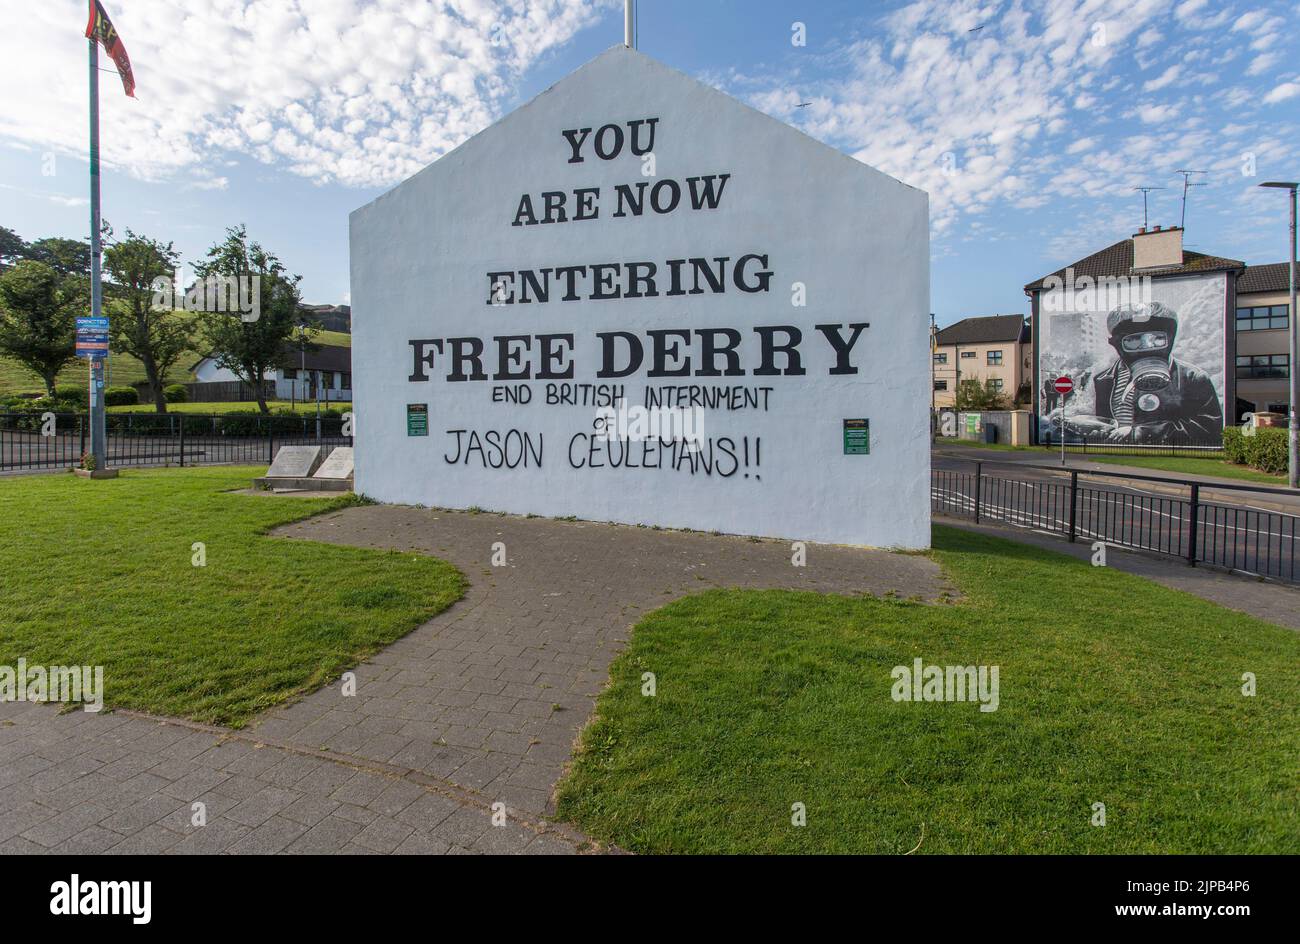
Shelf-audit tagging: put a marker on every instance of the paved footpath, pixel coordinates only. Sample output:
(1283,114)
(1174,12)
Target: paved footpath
(480,706)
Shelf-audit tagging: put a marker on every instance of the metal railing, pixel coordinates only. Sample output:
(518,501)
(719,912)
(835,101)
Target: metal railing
(32,441)
(1253,540)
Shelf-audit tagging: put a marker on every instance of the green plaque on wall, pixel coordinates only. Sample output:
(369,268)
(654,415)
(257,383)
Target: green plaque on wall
(857,437)
(417,419)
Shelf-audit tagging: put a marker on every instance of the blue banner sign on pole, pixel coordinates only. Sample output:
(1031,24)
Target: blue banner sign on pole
(92,337)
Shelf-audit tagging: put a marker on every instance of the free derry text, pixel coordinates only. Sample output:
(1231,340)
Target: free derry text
(772,350)
(664,352)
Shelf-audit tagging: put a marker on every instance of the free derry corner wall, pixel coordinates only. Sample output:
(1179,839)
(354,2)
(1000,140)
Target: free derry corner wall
(635,299)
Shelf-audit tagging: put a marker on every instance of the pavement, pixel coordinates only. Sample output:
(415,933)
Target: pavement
(456,734)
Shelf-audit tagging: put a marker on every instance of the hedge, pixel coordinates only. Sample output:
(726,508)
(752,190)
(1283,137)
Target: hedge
(175,393)
(121,396)
(23,414)
(1264,449)
(70,395)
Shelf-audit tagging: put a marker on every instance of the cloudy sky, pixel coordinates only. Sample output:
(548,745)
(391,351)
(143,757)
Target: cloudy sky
(1028,122)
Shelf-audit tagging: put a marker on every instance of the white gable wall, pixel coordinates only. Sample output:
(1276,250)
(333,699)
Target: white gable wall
(856,238)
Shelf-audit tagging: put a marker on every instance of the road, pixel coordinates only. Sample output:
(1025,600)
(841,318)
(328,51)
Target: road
(1253,532)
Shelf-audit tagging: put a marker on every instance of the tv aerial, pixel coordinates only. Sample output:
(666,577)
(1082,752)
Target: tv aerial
(1145,191)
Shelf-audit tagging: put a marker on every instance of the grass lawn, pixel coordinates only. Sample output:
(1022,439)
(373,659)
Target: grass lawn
(100,573)
(123,370)
(1113,689)
(1191,466)
(298,407)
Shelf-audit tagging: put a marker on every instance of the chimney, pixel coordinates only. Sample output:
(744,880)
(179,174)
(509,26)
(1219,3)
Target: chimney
(1158,248)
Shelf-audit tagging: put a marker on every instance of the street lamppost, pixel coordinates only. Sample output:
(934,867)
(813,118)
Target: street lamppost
(1293,361)
(933,398)
(302,367)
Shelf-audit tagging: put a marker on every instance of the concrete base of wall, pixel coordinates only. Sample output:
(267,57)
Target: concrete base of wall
(316,485)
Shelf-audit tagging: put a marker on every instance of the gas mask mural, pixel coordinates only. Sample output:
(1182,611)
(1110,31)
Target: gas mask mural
(1134,390)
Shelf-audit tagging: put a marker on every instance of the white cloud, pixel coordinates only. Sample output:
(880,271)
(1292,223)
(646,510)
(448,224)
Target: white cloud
(962,118)
(1283,92)
(1149,38)
(1034,112)
(364,93)
(56,198)
(1155,114)
(1164,79)
(1262,63)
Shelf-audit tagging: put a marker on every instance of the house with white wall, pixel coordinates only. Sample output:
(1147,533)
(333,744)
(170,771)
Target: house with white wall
(326,371)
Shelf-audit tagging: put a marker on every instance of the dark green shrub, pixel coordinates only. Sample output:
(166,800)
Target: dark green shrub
(196,424)
(1266,450)
(75,396)
(1234,445)
(176,393)
(121,396)
(1263,449)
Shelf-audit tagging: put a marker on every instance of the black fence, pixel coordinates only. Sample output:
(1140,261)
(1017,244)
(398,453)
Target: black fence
(30,441)
(1101,447)
(1084,505)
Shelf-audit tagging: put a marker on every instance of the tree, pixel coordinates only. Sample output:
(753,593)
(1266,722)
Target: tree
(64,256)
(974,395)
(38,317)
(12,247)
(156,337)
(251,347)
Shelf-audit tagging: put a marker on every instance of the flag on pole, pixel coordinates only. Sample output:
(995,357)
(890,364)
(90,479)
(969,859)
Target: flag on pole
(100,29)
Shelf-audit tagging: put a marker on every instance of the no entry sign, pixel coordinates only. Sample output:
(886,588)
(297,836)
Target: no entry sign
(1063,385)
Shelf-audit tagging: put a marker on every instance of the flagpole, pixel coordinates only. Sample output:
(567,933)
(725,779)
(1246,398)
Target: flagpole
(96,388)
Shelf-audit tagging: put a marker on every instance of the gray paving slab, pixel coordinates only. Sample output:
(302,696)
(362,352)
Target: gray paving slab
(476,709)
(504,680)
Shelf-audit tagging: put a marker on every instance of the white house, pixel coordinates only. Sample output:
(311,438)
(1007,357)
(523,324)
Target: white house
(328,370)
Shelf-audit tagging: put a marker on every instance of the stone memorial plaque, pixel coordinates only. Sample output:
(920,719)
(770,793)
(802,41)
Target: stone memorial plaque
(337,465)
(294,462)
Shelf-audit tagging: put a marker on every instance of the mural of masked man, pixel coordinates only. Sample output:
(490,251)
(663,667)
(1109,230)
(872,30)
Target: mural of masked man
(1146,395)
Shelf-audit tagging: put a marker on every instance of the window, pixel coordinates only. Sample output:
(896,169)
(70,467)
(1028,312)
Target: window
(941,358)
(966,354)
(327,379)
(941,385)
(995,358)
(1260,366)
(290,374)
(1257,319)
(996,384)
(346,382)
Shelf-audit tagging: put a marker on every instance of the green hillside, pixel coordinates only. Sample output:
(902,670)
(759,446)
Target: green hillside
(123,370)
